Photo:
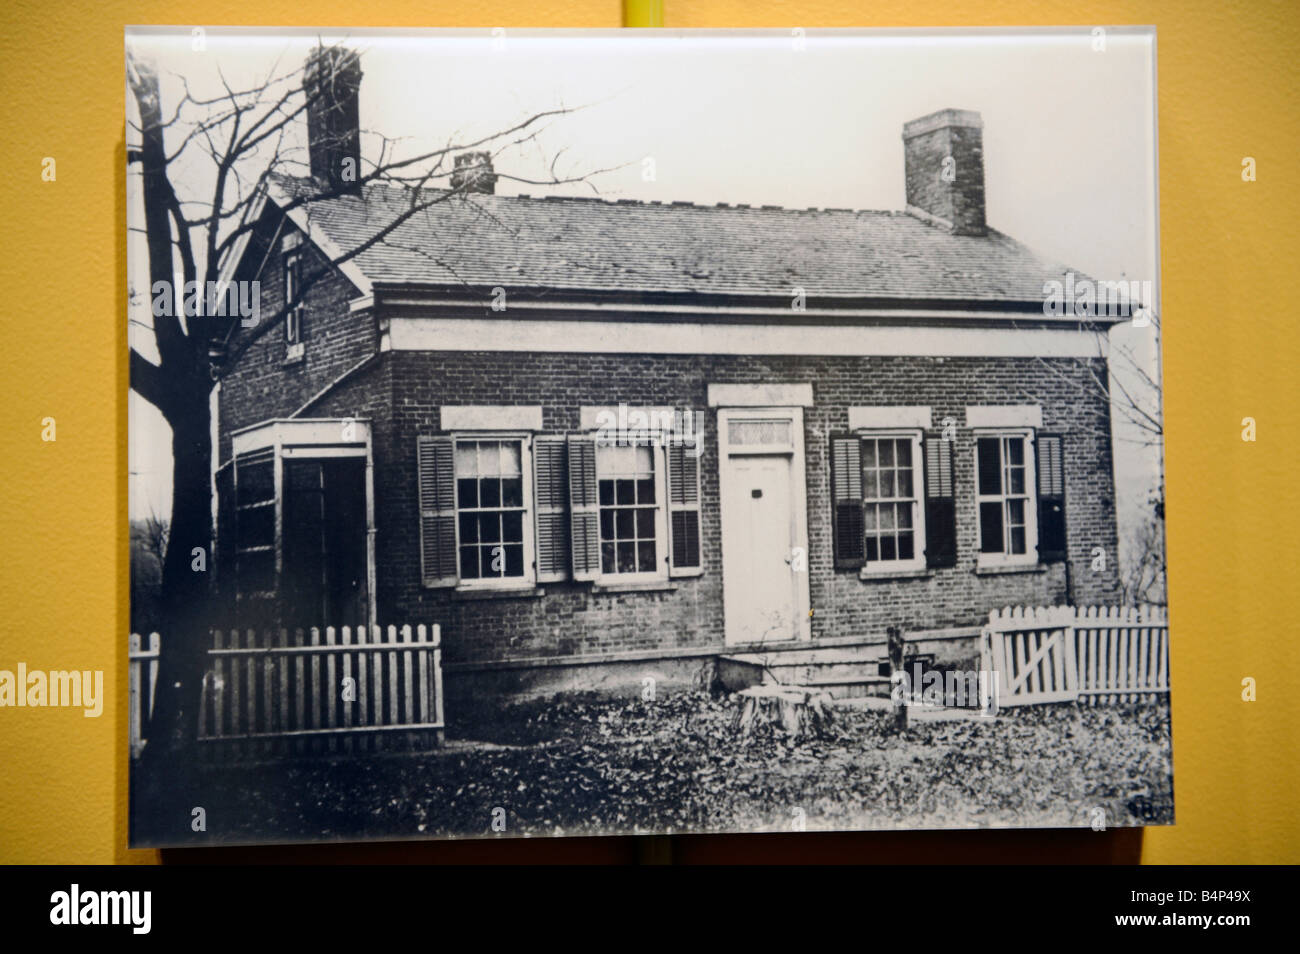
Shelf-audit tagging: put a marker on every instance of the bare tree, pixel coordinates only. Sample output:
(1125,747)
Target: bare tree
(1131,393)
(153,530)
(148,547)
(1142,572)
(241,137)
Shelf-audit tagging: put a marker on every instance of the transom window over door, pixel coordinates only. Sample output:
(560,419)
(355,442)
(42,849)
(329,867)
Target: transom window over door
(760,433)
(629,509)
(490,509)
(891,502)
(1005,481)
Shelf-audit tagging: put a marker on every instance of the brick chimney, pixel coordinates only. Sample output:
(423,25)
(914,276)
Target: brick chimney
(332,80)
(944,159)
(473,173)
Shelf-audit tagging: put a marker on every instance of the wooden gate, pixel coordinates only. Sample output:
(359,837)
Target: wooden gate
(1066,653)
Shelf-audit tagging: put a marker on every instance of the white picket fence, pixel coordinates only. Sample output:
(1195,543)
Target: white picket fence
(313,690)
(1067,653)
(323,689)
(142,681)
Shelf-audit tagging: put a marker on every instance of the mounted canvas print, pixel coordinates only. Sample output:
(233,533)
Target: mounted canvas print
(568,433)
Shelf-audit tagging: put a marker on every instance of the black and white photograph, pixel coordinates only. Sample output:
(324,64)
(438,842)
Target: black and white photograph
(562,433)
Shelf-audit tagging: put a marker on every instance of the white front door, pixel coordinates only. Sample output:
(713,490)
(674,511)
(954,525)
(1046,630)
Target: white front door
(764,551)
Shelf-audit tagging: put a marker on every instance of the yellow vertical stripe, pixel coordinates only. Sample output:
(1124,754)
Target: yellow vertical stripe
(643,13)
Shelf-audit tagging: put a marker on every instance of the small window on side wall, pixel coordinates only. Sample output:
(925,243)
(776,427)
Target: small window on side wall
(292,289)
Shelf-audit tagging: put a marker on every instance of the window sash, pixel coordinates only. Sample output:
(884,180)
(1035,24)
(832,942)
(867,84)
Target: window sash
(524,509)
(292,277)
(1015,490)
(875,504)
(606,455)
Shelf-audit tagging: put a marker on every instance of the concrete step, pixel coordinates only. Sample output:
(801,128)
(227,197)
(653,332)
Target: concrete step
(860,689)
(843,672)
(829,672)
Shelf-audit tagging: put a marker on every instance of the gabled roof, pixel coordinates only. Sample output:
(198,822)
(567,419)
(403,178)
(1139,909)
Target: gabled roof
(595,245)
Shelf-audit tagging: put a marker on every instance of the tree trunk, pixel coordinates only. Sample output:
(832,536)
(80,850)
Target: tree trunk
(185,576)
(178,386)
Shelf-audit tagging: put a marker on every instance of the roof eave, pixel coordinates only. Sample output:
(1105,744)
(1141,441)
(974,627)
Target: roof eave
(390,297)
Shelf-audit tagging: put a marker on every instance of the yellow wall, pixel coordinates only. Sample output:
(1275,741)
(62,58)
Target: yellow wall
(1228,89)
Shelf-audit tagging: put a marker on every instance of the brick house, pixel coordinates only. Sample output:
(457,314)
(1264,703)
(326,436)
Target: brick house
(840,421)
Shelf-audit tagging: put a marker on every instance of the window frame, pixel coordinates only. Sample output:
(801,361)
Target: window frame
(663,551)
(529,577)
(1030,496)
(918,562)
(292,283)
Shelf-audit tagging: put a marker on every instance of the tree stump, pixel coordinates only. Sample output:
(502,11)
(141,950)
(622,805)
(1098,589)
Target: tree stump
(802,713)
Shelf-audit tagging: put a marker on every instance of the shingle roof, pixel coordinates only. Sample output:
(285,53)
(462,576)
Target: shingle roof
(592,245)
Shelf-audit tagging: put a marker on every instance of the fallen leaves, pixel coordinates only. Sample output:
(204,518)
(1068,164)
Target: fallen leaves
(582,764)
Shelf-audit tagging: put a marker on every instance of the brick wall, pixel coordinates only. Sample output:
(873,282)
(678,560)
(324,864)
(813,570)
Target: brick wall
(259,385)
(959,200)
(570,619)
